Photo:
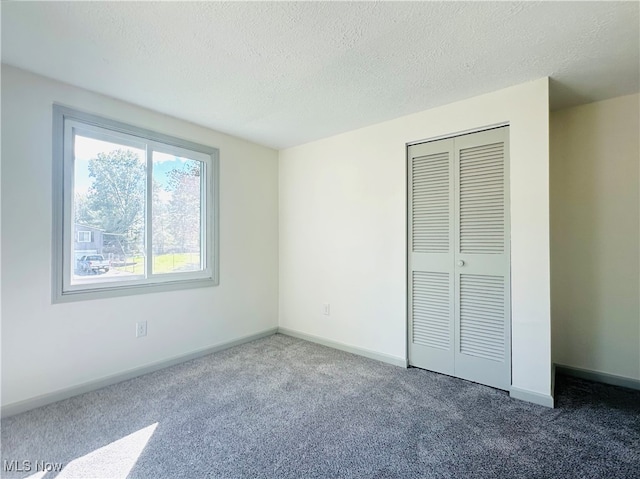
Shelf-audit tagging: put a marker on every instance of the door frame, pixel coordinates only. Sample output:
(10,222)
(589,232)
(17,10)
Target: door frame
(408,185)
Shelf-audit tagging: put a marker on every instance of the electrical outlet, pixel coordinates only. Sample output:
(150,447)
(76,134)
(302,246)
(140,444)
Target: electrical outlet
(141,329)
(326,309)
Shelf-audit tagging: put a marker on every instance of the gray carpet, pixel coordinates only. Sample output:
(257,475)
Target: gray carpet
(284,408)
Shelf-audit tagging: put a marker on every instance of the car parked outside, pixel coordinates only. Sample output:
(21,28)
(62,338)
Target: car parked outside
(93,263)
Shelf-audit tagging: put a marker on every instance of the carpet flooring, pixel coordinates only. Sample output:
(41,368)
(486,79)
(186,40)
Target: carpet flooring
(280,407)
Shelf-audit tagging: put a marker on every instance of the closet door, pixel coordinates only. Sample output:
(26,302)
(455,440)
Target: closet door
(431,249)
(459,258)
(482,259)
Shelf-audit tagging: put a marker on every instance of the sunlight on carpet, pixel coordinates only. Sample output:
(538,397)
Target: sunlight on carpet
(114,460)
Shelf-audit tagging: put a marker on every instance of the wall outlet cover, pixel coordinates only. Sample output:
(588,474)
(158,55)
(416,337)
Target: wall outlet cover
(141,329)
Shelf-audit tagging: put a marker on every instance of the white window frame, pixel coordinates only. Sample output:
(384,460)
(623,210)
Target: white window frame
(83,234)
(66,123)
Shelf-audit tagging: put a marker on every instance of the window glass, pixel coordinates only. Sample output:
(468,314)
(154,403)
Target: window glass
(109,192)
(177,200)
(136,210)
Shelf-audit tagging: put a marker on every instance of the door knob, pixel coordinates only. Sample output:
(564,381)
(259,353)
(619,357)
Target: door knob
(460,263)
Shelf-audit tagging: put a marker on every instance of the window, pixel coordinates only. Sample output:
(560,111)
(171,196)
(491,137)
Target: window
(149,199)
(84,236)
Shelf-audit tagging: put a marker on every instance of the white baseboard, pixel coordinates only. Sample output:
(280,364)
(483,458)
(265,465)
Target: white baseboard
(530,396)
(22,406)
(385,358)
(515,393)
(599,377)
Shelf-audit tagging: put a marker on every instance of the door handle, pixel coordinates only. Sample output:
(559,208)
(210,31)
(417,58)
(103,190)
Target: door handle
(460,263)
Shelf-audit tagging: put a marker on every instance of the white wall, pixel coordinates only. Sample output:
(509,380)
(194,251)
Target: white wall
(48,347)
(343,229)
(595,158)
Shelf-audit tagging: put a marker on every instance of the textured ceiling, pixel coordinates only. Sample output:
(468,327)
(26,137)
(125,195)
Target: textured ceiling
(284,73)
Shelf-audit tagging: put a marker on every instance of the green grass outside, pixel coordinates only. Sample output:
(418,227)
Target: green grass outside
(165,263)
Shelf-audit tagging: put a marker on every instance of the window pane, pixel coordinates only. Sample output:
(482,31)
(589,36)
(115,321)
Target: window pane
(109,196)
(176,214)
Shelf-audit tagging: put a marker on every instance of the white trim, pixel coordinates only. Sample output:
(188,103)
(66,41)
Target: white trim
(598,376)
(532,397)
(367,353)
(22,406)
(459,133)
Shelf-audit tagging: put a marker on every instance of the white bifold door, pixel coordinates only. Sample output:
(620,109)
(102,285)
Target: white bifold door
(459,268)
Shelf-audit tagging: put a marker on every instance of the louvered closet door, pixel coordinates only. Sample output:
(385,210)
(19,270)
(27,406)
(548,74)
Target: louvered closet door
(431,240)
(482,269)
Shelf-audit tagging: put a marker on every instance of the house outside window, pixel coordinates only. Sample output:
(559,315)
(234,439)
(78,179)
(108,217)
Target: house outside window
(142,204)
